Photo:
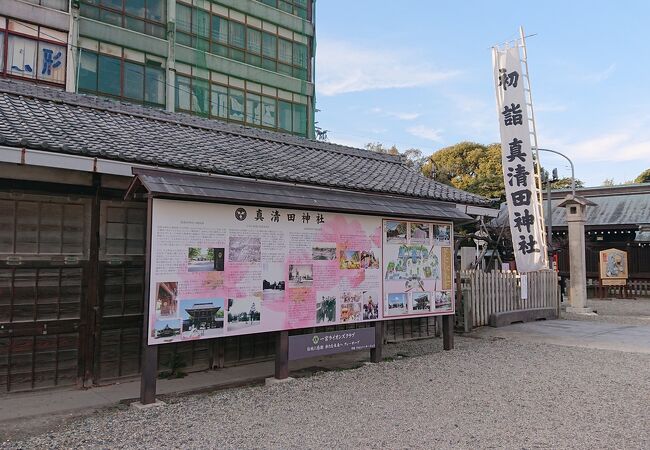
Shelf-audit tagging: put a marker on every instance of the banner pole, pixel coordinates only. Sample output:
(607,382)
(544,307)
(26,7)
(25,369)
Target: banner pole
(538,175)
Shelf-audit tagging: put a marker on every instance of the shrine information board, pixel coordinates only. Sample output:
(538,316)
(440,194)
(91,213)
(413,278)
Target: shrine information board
(223,270)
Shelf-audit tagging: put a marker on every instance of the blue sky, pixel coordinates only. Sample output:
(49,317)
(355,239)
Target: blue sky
(418,73)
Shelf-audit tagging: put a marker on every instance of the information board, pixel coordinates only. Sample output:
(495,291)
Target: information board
(613,267)
(222,270)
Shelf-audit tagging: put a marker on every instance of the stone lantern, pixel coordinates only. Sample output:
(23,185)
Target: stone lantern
(576,207)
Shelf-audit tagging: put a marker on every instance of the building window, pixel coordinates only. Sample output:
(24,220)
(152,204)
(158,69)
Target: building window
(219,101)
(268,112)
(285,120)
(253,110)
(61,5)
(109,75)
(33,52)
(199,97)
(296,7)
(113,76)
(143,16)
(183,93)
(300,119)
(236,104)
(231,39)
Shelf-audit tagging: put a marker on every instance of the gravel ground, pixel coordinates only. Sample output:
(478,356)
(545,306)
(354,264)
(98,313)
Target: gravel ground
(487,393)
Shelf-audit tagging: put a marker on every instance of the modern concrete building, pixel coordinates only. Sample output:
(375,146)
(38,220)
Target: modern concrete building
(243,61)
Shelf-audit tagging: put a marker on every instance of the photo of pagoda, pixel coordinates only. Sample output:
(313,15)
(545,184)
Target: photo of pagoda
(202,317)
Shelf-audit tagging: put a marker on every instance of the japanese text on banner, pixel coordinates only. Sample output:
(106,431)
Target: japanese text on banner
(517,160)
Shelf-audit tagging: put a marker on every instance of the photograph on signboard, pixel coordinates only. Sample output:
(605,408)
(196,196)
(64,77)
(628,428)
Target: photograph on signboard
(431,264)
(323,251)
(412,262)
(244,249)
(420,302)
(396,304)
(243,313)
(442,234)
(273,284)
(166,301)
(350,310)
(166,329)
(442,300)
(204,259)
(202,318)
(420,233)
(301,275)
(395,232)
(325,308)
(370,305)
(369,260)
(349,259)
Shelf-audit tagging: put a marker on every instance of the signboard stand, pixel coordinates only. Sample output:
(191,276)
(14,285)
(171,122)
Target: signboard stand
(282,355)
(447,332)
(376,353)
(149,375)
(149,372)
(225,270)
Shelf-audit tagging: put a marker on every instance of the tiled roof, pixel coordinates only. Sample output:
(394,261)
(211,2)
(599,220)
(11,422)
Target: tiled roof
(626,205)
(42,118)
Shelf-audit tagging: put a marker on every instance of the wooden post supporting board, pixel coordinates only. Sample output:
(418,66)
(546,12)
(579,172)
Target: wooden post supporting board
(282,355)
(149,374)
(448,332)
(376,353)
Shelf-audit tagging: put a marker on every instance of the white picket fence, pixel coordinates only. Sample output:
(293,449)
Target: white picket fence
(492,292)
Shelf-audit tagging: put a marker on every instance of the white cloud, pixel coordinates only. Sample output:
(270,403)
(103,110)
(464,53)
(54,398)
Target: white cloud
(425,132)
(405,115)
(550,107)
(396,115)
(628,142)
(623,146)
(342,68)
(597,77)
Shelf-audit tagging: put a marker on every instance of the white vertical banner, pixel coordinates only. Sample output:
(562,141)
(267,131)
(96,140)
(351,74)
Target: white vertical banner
(517,158)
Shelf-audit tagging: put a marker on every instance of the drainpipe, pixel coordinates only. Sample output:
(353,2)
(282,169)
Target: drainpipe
(170,72)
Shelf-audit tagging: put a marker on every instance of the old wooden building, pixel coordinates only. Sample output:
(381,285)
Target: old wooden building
(72,250)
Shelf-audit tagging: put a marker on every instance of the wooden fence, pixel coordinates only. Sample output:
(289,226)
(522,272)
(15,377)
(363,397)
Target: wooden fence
(635,288)
(492,292)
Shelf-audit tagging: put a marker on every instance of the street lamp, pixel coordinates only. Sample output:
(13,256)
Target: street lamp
(548,179)
(573,177)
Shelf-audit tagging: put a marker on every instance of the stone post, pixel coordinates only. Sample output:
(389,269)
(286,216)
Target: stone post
(576,207)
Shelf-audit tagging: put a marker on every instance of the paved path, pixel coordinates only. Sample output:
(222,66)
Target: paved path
(574,333)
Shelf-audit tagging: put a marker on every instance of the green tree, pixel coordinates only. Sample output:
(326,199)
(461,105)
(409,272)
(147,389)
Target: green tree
(565,183)
(608,182)
(193,252)
(644,177)
(379,148)
(469,166)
